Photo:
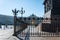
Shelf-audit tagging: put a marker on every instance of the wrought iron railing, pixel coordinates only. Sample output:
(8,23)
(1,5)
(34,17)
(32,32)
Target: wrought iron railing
(32,31)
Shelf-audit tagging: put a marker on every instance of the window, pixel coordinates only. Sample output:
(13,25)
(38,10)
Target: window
(46,18)
(0,26)
(28,18)
(24,18)
(20,18)
(33,18)
(38,18)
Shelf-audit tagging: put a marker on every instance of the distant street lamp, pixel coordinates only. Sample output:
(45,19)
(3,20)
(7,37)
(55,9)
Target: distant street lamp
(22,12)
(15,17)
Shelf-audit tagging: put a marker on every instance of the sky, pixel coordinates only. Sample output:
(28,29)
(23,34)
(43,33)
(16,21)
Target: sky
(30,7)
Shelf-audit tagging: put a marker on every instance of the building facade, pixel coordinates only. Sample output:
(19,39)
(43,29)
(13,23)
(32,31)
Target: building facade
(31,20)
(52,13)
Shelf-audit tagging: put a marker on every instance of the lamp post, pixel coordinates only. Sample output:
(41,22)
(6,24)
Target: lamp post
(15,11)
(15,17)
(22,12)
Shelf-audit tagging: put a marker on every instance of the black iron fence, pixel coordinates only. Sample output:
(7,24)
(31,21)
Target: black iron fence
(39,34)
(47,28)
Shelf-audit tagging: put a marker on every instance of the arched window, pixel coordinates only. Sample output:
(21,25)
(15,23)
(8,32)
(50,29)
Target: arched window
(38,18)
(25,19)
(33,18)
(29,18)
(46,18)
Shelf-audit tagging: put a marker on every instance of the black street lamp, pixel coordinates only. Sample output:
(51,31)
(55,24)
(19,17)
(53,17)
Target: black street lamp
(22,12)
(15,11)
(15,17)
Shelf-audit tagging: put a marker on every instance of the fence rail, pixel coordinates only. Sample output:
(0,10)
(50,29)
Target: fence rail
(41,34)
